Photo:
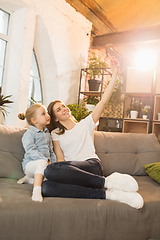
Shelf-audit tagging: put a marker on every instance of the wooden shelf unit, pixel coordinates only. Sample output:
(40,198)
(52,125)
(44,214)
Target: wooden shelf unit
(91,93)
(156,122)
(157,84)
(135,126)
(139,86)
(156,107)
(156,129)
(82,85)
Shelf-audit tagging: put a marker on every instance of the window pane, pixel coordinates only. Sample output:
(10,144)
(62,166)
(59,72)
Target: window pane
(1,76)
(31,88)
(35,90)
(3,45)
(34,68)
(2,51)
(4,22)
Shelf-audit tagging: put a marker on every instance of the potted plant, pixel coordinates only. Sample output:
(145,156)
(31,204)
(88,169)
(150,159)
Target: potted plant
(79,111)
(134,109)
(91,102)
(144,113)
(95,70)
(3,102)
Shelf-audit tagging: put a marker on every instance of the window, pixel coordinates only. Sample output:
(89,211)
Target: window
(3,45)
(4,22)
(4,26)
(35,89)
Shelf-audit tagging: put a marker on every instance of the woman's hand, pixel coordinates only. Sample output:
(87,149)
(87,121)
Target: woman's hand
(114,65)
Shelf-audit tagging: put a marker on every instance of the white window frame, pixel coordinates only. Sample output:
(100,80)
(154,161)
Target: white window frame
(6,38)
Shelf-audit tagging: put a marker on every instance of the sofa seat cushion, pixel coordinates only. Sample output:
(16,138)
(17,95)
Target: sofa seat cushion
(87,219)
(150,191)
(127,152)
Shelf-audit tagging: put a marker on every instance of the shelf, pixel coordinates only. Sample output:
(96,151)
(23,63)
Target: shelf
(105,71)
(157,90)
(156,107)
(136,119)
(91,93)
(138,95)
(110,124)
(143,99)
(156,129)
(135,126)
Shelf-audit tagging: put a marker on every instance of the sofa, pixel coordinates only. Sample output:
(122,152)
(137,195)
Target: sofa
(81,219)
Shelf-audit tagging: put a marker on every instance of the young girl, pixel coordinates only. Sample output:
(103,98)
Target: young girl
(78,172)
(38,148)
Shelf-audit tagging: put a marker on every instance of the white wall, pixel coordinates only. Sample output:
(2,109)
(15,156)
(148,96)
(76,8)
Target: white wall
(61,38)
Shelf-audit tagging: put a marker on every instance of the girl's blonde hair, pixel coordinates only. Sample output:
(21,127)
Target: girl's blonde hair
(30,113)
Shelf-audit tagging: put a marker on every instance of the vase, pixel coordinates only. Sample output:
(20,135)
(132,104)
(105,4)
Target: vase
(134,114)
(144,116)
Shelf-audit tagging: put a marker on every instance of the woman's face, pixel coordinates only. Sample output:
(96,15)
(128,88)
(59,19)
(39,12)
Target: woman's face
(61,112)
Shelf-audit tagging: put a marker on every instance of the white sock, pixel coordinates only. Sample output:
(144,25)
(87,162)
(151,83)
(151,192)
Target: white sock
(36,194)
(25,179)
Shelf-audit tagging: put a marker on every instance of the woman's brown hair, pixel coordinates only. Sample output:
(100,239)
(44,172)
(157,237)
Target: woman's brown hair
(53,123)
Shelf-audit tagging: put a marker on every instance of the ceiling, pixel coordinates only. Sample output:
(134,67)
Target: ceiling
(131,14)
(128,15)
(115,17)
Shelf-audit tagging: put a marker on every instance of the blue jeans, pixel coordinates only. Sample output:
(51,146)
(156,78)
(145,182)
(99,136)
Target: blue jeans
(74,179)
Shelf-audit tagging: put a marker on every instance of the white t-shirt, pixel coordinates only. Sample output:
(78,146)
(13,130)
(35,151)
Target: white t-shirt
(77,144)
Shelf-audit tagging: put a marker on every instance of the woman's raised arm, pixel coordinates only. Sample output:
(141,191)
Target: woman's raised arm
(108,91)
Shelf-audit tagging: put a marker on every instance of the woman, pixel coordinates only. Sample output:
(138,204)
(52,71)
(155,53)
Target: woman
(78,172)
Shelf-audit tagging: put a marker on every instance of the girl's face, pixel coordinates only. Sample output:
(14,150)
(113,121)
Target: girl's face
(41,117)
(61,112)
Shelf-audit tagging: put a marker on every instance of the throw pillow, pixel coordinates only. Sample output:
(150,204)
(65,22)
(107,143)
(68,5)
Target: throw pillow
(153,170)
